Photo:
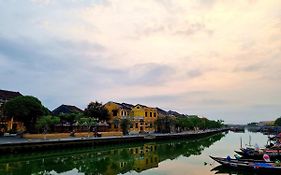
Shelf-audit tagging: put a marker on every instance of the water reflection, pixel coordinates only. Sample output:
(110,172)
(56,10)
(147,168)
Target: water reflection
(103,160)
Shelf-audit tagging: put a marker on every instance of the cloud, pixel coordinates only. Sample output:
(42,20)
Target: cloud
(250,68)
(153,52)
(192,29)
(194,73)
(149,74)
(41,2)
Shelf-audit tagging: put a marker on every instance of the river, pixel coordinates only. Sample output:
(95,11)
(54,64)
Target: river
(175,157)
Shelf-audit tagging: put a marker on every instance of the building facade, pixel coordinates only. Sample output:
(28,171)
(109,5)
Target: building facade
(117,112)
(8,123)
(141,118)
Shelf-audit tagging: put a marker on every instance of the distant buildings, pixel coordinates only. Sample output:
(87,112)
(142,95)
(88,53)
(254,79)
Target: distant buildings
(265,123)
(141,118)
(66,109)
(5,96)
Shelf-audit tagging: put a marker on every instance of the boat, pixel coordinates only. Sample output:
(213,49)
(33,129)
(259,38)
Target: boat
(237,129)
(149,137)
(249,164)
(273,152)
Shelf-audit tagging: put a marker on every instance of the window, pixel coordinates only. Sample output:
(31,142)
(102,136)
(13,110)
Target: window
(150,114)
(137,125)
(154,114)
(145,114)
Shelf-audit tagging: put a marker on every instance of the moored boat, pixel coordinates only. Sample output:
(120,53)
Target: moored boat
(250,164)
(274,153)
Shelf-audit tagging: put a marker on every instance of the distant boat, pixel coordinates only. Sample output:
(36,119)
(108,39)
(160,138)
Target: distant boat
(237,129)
(149,136)
(249,164)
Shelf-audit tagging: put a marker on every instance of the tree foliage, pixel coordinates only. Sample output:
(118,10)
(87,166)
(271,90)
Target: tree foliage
(125,123)
(26,109)
(71,119)
(164,124)
(97,110)
(194,122)
(278,122)
(88,122)
(47,122)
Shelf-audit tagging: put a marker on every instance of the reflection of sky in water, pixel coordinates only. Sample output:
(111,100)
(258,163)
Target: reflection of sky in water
(194,165)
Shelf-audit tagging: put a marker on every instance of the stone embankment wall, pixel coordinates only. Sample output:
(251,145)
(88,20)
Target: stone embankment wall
(72,142)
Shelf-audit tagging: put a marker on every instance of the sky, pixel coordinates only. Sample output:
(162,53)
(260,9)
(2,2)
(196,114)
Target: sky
(220,59)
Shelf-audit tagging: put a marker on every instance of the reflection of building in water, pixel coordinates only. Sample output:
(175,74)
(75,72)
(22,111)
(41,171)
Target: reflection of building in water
(146,157)
(135,158)
(104,160)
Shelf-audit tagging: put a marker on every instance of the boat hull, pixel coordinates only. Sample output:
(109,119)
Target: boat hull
(250,153)
(249,164)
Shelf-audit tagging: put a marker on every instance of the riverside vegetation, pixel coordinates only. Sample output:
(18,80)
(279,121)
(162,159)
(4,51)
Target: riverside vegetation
(38,119)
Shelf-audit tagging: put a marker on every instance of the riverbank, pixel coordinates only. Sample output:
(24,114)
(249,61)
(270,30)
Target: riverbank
(39,144)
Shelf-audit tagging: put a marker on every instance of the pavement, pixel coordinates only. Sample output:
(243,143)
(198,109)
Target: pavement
(15,139)
(11,139)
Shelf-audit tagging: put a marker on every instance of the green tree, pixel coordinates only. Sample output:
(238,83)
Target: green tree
(125,123)
(184,123)
(25,109)
(88,122)
(198,123)
(164,124)
(278,122)
(97,110)
(45,123)
(71,118)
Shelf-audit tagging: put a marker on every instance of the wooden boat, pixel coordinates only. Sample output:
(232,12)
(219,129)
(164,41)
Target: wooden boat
(273,152)
(250,164)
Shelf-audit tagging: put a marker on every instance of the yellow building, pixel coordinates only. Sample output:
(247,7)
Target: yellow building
(142,118)
(117,112)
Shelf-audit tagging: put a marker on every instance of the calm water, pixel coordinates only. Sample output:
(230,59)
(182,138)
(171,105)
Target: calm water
(173,157)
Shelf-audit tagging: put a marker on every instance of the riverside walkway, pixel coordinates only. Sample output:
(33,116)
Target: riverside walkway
(14,145)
